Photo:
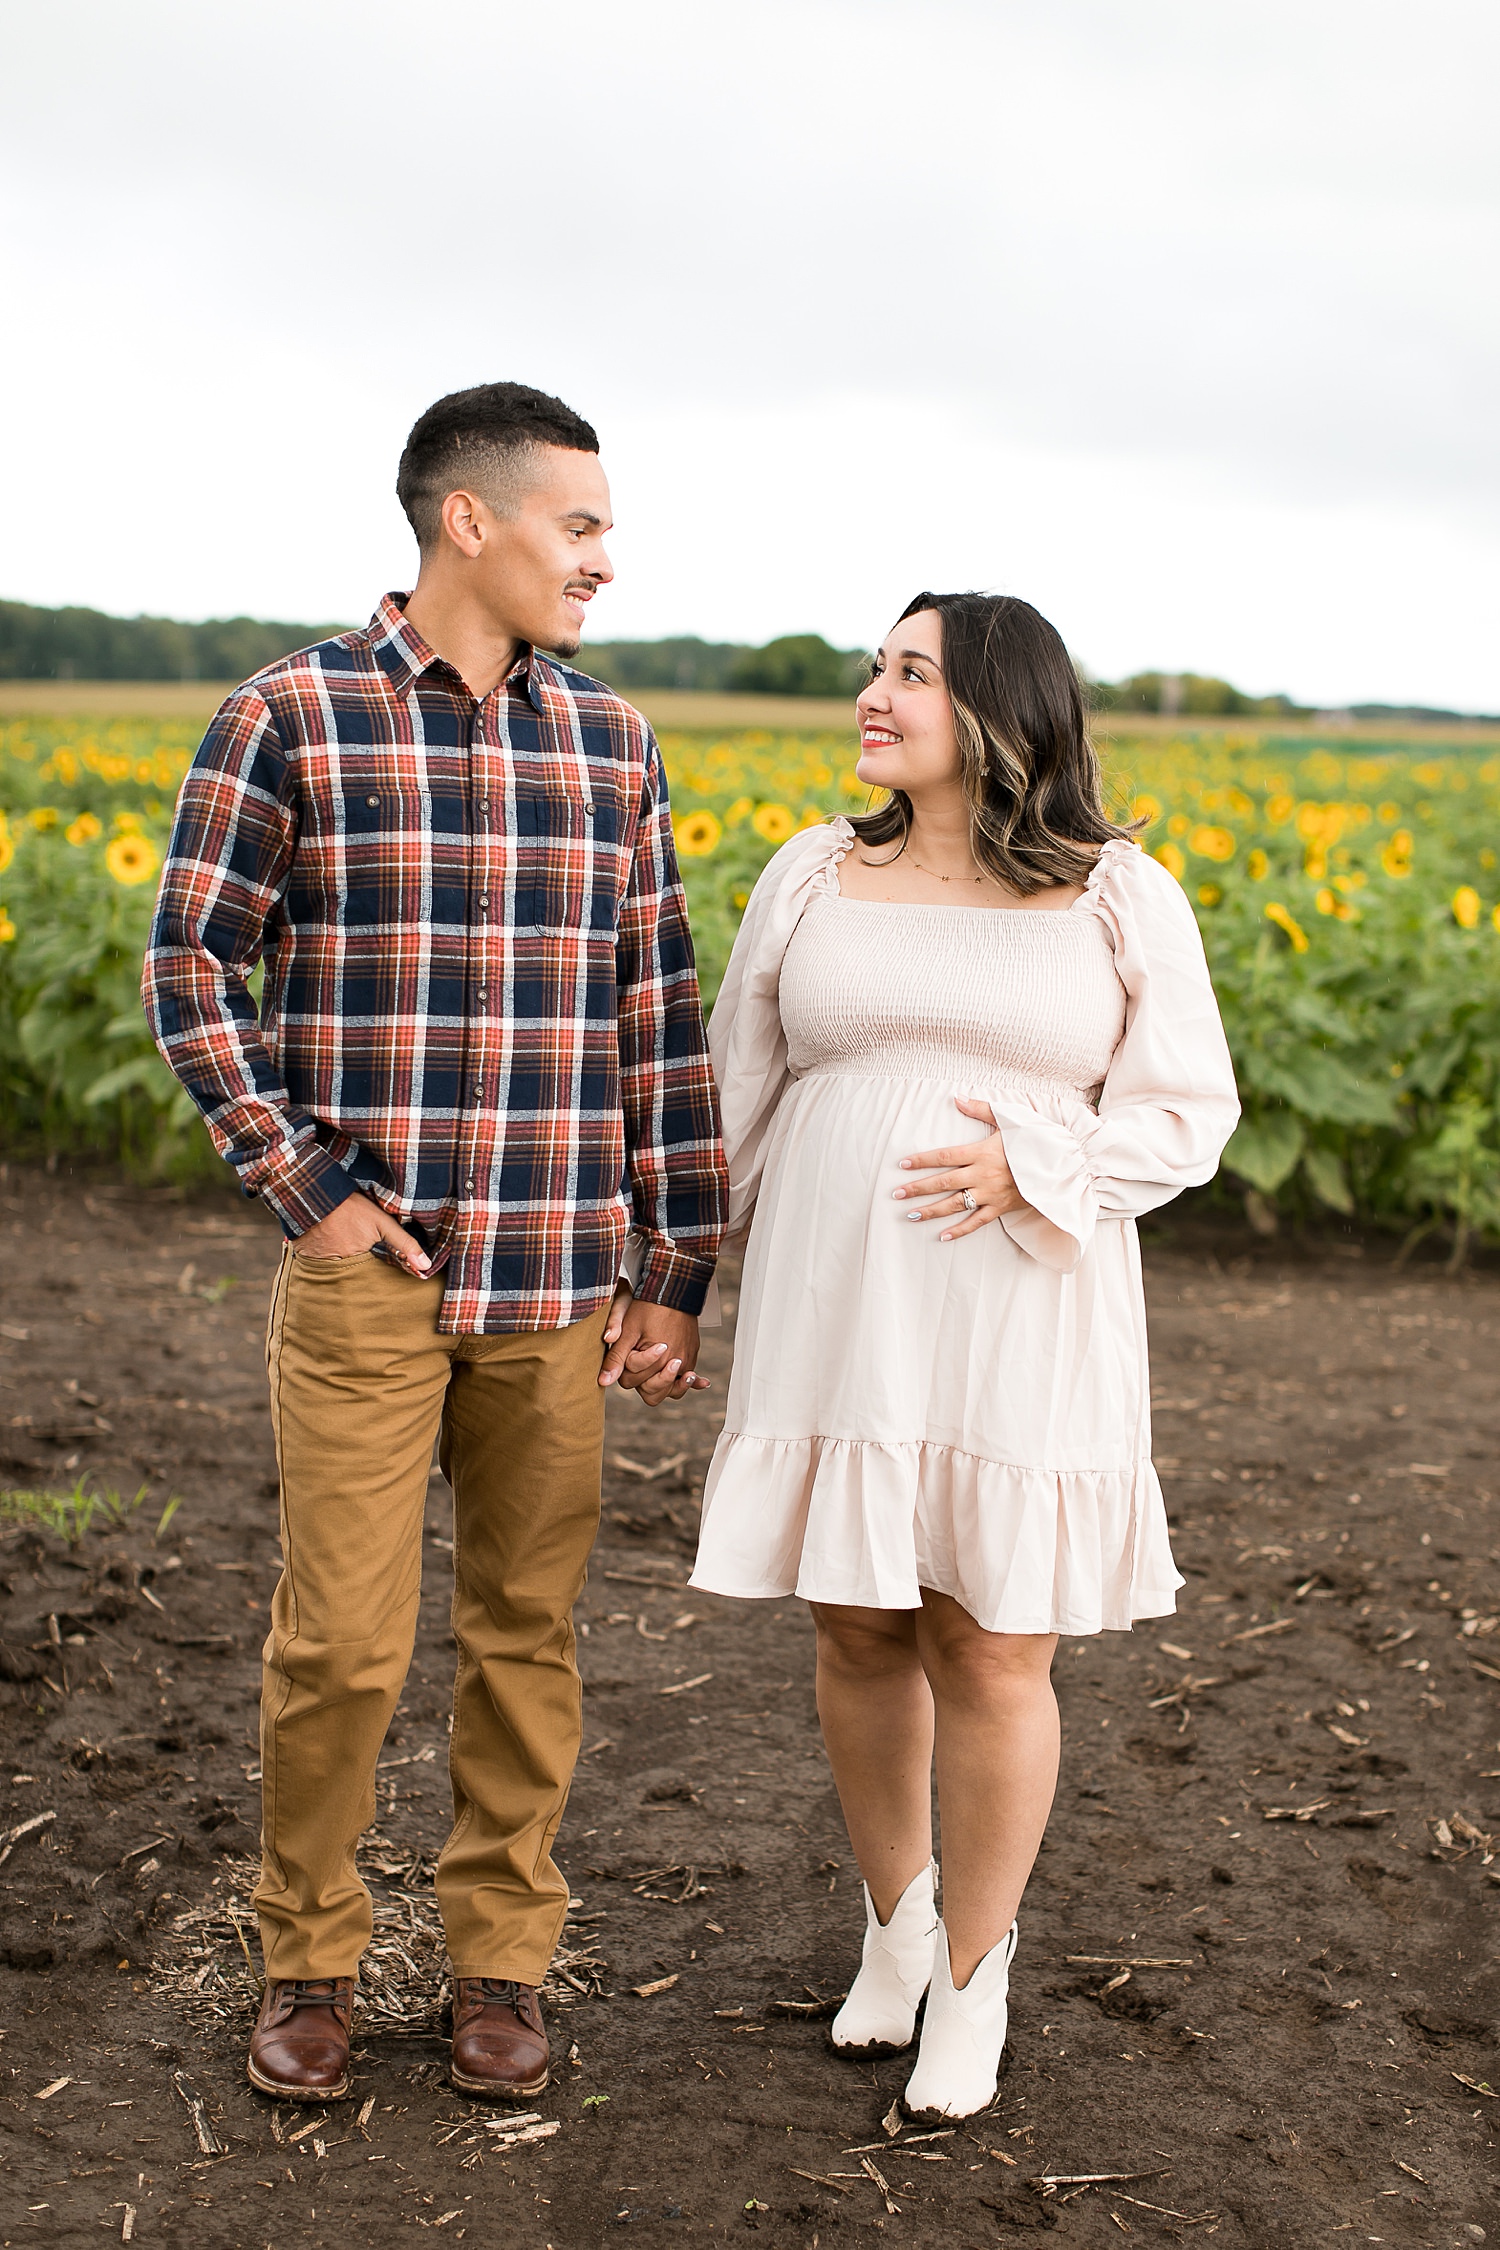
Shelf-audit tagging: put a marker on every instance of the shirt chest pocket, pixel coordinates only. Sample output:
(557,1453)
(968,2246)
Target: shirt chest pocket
(369,868)
(368,811)
(568,861)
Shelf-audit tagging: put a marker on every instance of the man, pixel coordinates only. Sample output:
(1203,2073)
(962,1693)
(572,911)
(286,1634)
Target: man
(477,1064)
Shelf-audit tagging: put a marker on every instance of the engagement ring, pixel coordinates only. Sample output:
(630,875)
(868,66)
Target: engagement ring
(971,1200)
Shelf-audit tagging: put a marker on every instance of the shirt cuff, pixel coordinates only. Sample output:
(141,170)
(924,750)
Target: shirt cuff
(306,1190)
(676,1278)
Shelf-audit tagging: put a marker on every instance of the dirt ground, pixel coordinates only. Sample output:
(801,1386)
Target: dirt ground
(1275,1812)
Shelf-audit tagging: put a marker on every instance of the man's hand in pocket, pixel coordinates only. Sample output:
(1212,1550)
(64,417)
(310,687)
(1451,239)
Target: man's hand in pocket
(355,1227)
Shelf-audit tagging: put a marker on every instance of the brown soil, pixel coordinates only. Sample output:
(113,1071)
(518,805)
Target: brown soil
(1281,1798)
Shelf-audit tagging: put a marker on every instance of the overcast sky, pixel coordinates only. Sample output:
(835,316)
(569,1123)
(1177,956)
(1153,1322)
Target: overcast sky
(1178,318)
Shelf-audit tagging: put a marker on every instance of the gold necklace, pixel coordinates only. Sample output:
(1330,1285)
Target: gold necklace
(932,871)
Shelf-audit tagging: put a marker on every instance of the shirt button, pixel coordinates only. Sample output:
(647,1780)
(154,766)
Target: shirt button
(484,905)
(372,800)
(468,1187)
(479,1093)
(484,806)
(484,996)
(588,804)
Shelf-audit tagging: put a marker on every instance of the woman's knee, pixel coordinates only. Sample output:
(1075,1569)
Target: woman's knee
(963,1662)
(864,1642)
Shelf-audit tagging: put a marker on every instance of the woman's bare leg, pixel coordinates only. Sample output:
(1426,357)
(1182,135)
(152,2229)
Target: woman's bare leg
(997,1751)
(876,1711)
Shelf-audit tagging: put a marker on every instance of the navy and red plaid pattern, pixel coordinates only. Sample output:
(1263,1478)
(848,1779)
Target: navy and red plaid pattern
(479,1004)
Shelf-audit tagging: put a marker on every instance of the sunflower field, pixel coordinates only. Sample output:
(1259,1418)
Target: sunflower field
(84,819)
(1347,891)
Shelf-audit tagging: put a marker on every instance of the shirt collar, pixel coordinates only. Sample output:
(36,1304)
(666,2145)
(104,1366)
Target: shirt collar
(404,656)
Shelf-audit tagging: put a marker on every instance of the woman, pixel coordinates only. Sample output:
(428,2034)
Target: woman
(962,1043)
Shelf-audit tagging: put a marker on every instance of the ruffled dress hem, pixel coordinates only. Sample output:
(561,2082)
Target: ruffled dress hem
(870,1523)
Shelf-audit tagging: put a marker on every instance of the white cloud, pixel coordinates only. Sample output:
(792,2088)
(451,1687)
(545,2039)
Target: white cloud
(1181,318)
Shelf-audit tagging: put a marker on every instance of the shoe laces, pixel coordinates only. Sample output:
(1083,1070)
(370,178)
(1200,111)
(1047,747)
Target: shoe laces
(503,1991)
(312,1992)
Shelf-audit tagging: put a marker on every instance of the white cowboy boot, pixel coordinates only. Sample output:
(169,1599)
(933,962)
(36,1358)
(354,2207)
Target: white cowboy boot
(963,2034)
(881,2010)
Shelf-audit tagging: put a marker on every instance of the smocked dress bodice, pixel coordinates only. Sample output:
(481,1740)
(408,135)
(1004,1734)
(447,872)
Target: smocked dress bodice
(1025,999)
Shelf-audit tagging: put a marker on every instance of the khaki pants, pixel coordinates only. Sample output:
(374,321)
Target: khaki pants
(361,1384)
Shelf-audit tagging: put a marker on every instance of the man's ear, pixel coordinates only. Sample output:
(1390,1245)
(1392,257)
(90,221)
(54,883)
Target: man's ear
(464,522)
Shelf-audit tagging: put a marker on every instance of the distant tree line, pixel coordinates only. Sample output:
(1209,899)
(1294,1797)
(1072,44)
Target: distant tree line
(797,664)
(85,644)
(1195,695)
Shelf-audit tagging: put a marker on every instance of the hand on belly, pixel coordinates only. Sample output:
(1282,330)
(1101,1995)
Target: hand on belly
(970,1184)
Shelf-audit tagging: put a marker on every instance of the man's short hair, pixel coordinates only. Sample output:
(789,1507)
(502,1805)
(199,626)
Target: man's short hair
(481,439)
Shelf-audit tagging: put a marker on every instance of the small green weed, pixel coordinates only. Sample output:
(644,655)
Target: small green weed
(70,1514)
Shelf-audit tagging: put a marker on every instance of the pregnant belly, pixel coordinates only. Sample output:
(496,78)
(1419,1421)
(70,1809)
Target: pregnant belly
(857,1128)
(857,1322)
(866,1125)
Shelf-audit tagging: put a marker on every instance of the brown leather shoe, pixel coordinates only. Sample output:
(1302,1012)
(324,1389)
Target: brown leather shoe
(499,2040)
(299,2050)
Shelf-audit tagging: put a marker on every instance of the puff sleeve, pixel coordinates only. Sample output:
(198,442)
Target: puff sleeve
(1168,1104)
(745,1036)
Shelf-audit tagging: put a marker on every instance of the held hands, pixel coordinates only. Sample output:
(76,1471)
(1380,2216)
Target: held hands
(979,1166)
(652,1349)
(354,1227)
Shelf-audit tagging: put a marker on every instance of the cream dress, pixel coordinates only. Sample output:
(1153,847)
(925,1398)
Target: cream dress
(970,1416)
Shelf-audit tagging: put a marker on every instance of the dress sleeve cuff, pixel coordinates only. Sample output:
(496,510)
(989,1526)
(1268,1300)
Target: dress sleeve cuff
(1048,1165)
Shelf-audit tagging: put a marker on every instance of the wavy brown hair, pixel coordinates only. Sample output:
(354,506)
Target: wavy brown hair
(1029,769)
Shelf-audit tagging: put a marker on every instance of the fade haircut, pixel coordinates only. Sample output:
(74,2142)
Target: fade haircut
(481,438)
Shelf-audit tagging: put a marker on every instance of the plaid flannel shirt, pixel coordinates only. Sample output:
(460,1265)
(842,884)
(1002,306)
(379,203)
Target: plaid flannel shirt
(480,1004)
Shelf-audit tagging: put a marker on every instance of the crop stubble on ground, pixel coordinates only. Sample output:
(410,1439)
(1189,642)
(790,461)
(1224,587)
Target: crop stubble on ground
(1313,2064)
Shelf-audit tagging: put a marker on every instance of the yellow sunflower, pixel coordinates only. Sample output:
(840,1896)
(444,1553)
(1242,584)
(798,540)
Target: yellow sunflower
(1257,866)
(774,822)
(1173,859)
(698,834)
(1277,913)
(7,927)
(1211,843)
(1466,907)
(132,859)
(84,829)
